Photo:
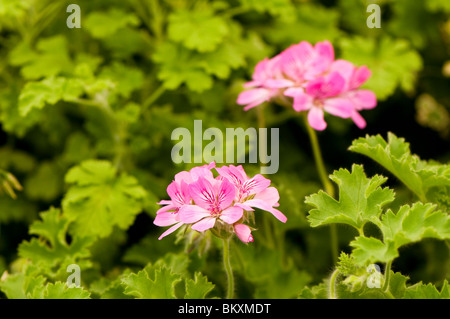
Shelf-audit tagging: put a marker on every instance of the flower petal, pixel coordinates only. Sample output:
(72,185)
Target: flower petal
(302,101)
(202,192)
(192,213)
(171,230)
(256,184)
(254,97)
(204,224)
(316,119)
(167,208)
(270,196)
(341,107)
(359,120)
(166,219)
(360,75)
(363,99)
(232,214)
(225,194)
(264,206)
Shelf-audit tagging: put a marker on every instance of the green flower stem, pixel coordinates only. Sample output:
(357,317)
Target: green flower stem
(326,183)
(228,269)
(387,276)
(318,159)
(152,98)
(333,279)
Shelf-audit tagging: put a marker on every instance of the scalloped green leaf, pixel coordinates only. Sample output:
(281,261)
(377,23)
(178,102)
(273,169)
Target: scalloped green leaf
(50,251)
(59,290)
(50,58)
(394,155)
(429,291)
(198,287)
(104,24)
(360,200)
(151,283)
(98,199)
(409,225)
(197,29)
(38,94)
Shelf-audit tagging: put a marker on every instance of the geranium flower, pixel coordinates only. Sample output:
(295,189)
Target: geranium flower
(316,82)
(203,202)
(213,201)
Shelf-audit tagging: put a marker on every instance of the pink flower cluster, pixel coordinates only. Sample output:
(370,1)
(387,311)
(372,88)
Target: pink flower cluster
(315,80)
(202,201)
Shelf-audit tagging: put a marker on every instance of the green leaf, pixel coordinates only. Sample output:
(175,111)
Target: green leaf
(197,29)
(413,22)
(50,251)
(59,290)
(198,288)
(316,292)
(393,63)
(370,250)
(179,65)
(360,200)
(98,199)
(312,23)
(429,291)
(127,78)
(394,155)
(50,59)
(411,224)
(48,91)
(13,286)
(397,284)
(152,283)
(104,24)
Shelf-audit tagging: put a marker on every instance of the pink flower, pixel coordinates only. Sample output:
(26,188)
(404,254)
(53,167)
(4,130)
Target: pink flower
(315,80)
(203,202)
(213,201)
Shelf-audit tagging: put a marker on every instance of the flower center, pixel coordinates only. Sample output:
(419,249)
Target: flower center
(318,103)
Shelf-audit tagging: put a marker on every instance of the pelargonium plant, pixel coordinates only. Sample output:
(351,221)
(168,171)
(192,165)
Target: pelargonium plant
(222,204)
(309,79)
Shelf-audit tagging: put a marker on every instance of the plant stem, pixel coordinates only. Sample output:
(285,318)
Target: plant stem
(326,183)
(152,98)
(333,279)
(318,159)
(228,269)
(387,276)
